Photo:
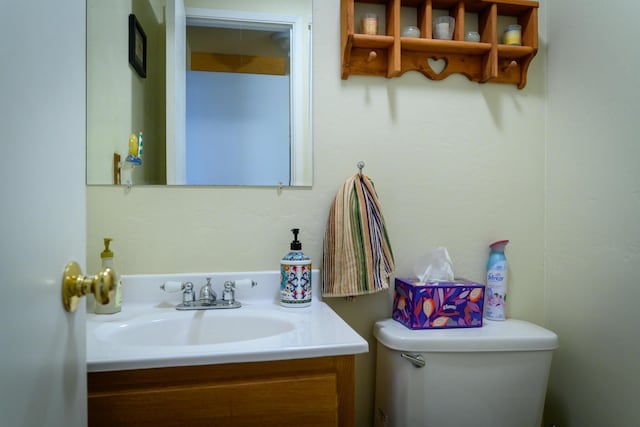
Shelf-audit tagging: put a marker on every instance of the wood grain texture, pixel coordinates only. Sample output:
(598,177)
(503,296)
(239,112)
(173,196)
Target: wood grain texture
(272,65)
(390,55)
(302,392)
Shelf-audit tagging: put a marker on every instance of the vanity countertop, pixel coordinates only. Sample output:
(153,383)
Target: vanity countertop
(291,333)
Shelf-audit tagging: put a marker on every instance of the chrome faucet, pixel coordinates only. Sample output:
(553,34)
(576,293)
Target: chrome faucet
(207,294)
(207,298)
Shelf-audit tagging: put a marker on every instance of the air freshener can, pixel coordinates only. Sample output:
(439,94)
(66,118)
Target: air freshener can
(496,292)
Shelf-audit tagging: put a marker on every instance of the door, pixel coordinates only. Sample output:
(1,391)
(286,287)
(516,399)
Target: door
(42,211)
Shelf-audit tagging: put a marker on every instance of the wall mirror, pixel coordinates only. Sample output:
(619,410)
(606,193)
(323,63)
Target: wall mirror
(225,99)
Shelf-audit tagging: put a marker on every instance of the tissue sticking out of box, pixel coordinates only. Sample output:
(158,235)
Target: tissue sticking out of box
(435,266)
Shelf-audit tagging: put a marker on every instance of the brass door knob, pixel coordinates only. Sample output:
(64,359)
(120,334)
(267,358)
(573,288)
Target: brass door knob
(75,285)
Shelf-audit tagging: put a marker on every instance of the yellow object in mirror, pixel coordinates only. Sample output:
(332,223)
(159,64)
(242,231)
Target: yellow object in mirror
(133,145)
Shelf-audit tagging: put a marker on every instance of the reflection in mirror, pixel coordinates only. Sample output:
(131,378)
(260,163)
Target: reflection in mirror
(245,98)
(237,127)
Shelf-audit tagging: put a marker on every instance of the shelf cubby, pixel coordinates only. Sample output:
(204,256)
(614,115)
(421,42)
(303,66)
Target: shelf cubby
(391,55)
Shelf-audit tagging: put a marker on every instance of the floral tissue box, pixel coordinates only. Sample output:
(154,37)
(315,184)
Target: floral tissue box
(437,305)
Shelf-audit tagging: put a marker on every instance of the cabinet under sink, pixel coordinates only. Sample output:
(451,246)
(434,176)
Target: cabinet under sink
(300,392)
(258,365)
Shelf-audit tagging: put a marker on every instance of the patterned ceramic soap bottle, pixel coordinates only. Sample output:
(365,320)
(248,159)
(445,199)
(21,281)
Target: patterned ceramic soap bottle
(295,276)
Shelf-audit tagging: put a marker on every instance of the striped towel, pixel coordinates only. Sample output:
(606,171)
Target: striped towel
(357,253)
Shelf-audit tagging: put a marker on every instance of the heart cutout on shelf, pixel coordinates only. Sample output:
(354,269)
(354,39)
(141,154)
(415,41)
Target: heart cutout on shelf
(437,65)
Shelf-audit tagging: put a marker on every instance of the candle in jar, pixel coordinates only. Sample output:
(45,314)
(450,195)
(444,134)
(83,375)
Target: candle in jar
(442,27)
(442,30)
(370,24)
(513,35)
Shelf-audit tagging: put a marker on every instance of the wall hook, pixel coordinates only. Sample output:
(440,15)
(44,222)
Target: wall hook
(510,64)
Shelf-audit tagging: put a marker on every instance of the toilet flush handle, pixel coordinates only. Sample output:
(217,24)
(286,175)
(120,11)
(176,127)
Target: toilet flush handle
(416,359)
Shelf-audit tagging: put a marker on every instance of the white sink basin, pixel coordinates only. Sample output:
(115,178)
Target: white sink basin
(179,328)
(150,333)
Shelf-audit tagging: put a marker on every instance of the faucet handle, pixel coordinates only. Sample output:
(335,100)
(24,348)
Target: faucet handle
(172,286)
(245,283)
(229,295)
(188,296)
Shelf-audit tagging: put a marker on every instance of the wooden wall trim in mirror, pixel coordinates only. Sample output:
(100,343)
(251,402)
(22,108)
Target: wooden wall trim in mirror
(218,71)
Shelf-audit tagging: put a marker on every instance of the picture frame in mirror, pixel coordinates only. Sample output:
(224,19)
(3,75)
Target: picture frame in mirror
(137,46)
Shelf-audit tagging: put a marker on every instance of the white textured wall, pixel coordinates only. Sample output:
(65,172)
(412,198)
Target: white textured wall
(593,216)
(119,102)
(109,87)
(455,163)
(148,106)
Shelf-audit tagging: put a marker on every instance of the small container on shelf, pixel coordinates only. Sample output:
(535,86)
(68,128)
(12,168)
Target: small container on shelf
(443,27)
(410,31)
(472,36)
(513,35)
(369,24)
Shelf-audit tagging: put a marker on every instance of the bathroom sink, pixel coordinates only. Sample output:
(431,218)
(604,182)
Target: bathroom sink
(150,333)
(193,328)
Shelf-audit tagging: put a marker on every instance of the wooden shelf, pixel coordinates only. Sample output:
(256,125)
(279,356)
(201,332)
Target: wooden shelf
(363,40)
(514,51)
(391,55)
(443,46)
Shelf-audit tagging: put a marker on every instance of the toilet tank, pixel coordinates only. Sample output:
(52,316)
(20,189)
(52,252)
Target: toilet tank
(494,376)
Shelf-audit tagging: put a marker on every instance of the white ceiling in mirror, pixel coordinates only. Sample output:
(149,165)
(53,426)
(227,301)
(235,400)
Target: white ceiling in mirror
(254,49)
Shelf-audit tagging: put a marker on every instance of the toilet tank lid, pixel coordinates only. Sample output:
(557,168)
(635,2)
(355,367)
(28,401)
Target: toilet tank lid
(508,335)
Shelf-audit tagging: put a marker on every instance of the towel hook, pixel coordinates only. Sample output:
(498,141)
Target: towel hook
(360,166)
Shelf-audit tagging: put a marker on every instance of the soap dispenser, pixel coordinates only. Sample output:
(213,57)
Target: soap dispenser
(295,276)
(115,296)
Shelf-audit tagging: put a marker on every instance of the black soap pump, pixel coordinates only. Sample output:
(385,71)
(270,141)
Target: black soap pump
(295,276)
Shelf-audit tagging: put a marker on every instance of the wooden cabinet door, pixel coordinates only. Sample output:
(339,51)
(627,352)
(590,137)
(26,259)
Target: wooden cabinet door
(305,392)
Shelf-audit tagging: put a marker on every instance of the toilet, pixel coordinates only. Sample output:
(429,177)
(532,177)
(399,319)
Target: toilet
(492,376)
